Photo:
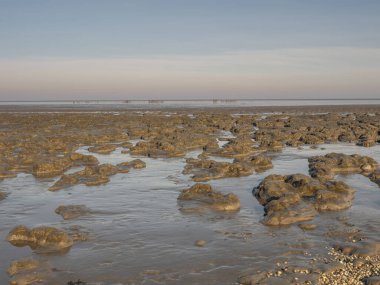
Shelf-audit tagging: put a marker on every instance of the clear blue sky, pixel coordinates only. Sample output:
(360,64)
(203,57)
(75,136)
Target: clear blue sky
(189,48)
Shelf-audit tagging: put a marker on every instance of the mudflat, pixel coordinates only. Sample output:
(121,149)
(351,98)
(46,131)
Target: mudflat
(253,195)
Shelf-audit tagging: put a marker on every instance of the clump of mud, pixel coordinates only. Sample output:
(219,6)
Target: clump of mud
(201,196)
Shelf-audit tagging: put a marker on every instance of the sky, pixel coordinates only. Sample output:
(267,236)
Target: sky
(189,49)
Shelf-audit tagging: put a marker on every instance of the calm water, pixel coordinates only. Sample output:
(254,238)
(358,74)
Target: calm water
(138,235)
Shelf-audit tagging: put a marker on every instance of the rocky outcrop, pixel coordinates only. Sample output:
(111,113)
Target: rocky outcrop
(201,196)
(42,238)
(297,198)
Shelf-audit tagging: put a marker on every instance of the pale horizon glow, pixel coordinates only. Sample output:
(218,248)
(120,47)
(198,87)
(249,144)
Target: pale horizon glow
(352,72)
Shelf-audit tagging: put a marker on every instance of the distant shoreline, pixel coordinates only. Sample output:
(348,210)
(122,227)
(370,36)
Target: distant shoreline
(94,108)
(184,100)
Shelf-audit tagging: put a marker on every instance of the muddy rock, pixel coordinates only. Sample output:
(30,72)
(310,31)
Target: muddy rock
(90,176)
(103,149)
(78,233)
(157,148)
(202,195)
(69,212)
(44,238)
(124,167)
(298,198)
(66,180)
(236,147)
(204,170)
(82,159)
(337,196)
(50,168)
(259,162)
(326,167)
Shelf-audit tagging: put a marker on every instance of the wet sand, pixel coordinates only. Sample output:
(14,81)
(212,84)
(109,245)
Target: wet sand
(129,227)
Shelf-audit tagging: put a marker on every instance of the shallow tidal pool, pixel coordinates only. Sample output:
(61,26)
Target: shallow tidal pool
(138,235)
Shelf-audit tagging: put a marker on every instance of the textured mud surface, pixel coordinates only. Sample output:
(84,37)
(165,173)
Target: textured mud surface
(112,197)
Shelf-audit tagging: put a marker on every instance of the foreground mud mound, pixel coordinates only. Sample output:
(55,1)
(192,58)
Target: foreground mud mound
(202,196)
(41,238)
(298,198)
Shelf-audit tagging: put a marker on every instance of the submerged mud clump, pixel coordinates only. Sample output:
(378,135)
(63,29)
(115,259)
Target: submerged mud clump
(297,198)
(95,175)
(90,176)
(3,195)
(204,170)
(124,167)
(103,149)
(201,196)
(69,212)
(44,238)
(29,271)
(327,166)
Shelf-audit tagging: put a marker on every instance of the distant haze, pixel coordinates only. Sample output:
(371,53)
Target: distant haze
(201,49)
